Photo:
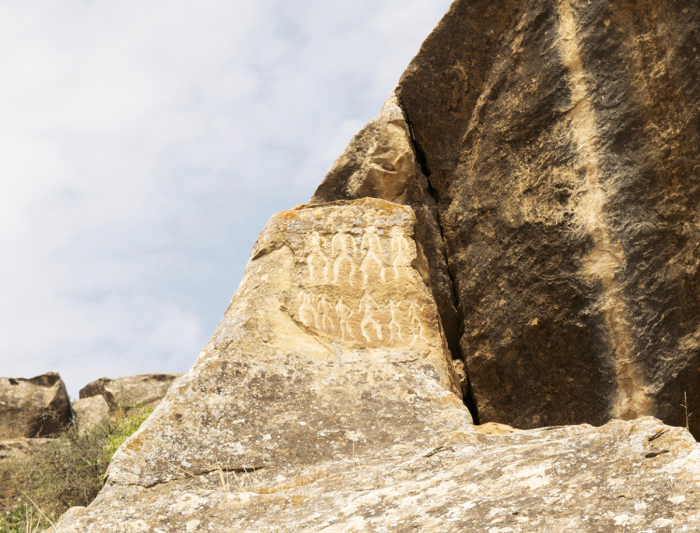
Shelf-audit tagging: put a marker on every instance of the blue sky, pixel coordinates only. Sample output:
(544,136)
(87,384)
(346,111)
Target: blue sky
(145,144)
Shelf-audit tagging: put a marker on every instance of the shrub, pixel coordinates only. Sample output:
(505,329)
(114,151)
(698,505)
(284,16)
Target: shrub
(66,472)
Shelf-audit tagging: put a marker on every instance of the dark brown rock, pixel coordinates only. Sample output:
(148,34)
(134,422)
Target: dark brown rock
(34,407)
(141,389)
(561,140)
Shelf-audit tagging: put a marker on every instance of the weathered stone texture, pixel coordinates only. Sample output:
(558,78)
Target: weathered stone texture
(623,477)
(89,412)
(561,142)
(381,162)
(21,448)
(331,344)
(141,389)
(34,407)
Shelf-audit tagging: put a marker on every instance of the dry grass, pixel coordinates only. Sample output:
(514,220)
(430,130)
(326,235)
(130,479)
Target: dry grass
(63,473)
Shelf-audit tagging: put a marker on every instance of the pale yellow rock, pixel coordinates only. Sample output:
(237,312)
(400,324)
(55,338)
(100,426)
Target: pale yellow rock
(331,346)
(90,411)
(494,428)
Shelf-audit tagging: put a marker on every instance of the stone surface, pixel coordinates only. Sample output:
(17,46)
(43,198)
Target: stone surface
(330,349)
(141,389)
(534,191)
(89,412)
(20,448)
(331,340)
(381,162)
(33,407)
(623,477)
(561,142)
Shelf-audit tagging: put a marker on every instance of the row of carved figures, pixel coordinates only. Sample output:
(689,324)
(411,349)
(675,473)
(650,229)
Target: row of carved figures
(373,259)
(318,312)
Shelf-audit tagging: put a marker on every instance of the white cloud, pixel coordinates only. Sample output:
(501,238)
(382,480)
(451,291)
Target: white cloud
(143,145)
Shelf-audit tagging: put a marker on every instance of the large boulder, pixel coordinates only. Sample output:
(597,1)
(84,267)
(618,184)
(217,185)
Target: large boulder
(34,407)
(141,389)
(90,412)
(21,448)
(330,351)
(561,142)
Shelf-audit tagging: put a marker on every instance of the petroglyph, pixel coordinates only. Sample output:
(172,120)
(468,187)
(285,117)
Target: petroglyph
(369,306)
(316,259)
(307,311)
(344,315)
(394,325)
(357,283)
(325,310)
(414,312)
(372,262)
(345,249)
(399,252)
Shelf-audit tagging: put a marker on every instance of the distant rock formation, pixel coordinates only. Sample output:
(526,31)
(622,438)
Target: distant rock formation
(516,231)
(140,389)
(89,412)
(34,407)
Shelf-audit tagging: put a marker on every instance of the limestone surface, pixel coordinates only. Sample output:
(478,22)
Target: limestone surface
(331,345)
(34,407)
(141,389)
(622,477)
(381,162)
(89,412)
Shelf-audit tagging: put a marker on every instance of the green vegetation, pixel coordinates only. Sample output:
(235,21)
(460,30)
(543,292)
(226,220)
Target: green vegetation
(63,473)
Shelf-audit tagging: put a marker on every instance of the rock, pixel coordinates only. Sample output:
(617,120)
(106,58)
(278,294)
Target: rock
(20,448)
(381,162)
(532,190)
(89,412)
(142,389)
(494,428)
(561,142)
(331,350)
(332,343)
(34,407)
(625,476)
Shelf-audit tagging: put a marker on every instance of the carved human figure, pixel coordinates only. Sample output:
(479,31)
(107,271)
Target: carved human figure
(372,250)
(344,313)
(369,306)
(316,259)
(415,322)
(399,252)
(325,309)
(307,310)
(394,326)
(344,246)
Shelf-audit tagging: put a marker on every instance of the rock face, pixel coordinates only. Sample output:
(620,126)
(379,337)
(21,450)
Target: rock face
(142,389)
(331,348)
(527,201)
(20,448)
(331,344)
(561,141)
(381,162)
(622,477)
(34,407)
(89,412)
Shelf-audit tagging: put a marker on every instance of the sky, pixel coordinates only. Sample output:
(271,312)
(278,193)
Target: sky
(143,147)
